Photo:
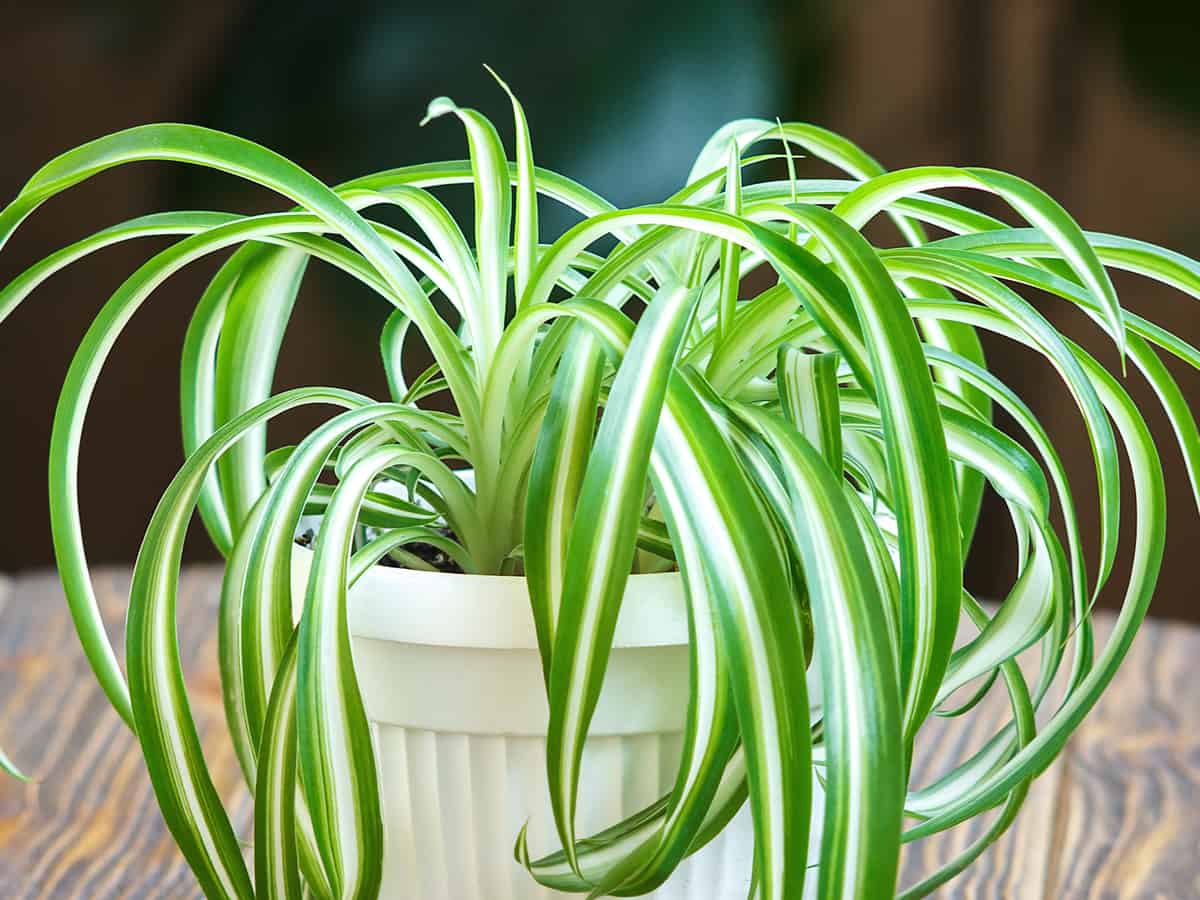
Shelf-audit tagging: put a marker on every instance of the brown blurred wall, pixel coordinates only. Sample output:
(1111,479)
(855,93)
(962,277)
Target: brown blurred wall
(1039,88)
(1042,89)
(68,75)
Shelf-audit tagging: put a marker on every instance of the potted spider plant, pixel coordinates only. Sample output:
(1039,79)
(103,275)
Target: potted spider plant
(661,605)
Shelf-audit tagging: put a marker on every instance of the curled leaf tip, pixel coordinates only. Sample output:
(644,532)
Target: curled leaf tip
(438,107)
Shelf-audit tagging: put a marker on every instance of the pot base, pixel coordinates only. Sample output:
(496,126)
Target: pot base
(454,803)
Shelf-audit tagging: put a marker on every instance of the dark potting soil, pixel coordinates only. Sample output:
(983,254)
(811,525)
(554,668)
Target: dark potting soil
(426,552)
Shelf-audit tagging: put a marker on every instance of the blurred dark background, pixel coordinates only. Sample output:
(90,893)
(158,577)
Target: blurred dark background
(1096,101)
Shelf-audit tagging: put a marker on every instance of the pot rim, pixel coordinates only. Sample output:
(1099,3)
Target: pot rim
(410,606)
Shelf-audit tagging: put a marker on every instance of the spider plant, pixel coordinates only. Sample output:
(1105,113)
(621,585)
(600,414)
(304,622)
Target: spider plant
(811,456)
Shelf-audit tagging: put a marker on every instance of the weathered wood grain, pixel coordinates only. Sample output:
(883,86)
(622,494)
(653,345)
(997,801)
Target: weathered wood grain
(89,828)
(1116,817)
(1015,866)
(1129,826)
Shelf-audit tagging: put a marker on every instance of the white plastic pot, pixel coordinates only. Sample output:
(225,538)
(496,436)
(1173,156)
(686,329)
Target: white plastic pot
(451,677)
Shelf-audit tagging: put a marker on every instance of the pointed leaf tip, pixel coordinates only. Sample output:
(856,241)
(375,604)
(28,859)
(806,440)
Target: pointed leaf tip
(9,767)
(13,772)
(521,847)
(500,81)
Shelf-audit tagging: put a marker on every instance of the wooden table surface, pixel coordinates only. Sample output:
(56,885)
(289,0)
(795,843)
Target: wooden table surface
(1118,816)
